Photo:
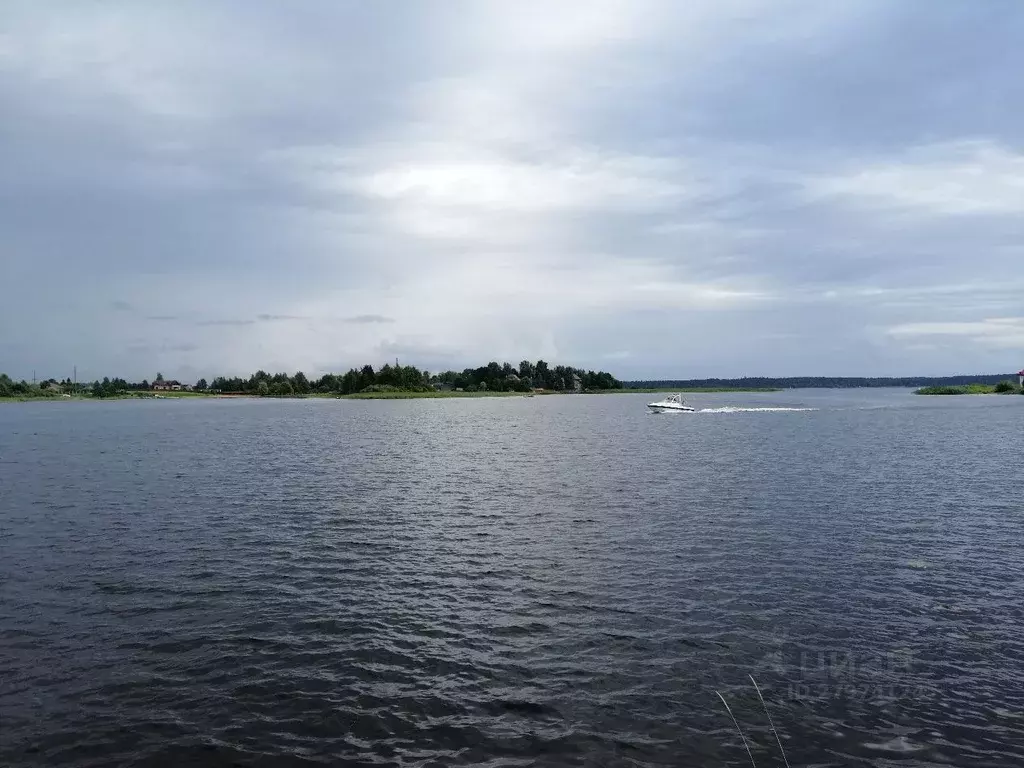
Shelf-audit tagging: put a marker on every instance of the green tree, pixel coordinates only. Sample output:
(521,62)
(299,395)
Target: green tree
(351,382)
(386,375)
(367,377)
(262,388)
(327,383)
(201,385)
(159,377)
(281,388)
(300,383)
(1005,386)
(542,376)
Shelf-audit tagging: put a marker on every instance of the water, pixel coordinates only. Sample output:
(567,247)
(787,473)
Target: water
(542,581)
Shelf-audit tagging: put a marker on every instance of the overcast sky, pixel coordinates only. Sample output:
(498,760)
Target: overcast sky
(658,189)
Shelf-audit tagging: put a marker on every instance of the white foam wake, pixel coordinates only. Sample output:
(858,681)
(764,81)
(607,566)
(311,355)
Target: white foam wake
(733,409)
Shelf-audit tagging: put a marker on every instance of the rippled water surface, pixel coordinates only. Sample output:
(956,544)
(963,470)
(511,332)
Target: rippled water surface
(550,581)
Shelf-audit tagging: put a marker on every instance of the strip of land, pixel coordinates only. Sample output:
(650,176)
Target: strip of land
(1002,388)
(384,395)
(760,383)
(493,380)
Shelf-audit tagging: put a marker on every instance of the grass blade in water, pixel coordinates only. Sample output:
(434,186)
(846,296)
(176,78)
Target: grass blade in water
(738,729)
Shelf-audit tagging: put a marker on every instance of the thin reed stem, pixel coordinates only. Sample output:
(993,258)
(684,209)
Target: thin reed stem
(777,739)
(738,729)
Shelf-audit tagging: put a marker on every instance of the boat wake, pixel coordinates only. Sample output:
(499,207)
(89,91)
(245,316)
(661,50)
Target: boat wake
(733,409)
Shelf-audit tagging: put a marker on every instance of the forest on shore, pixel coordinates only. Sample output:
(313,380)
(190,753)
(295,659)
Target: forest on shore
(493,377)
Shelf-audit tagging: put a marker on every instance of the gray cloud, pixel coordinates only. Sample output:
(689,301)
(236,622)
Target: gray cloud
(363,319)
(226,323)
(799,187)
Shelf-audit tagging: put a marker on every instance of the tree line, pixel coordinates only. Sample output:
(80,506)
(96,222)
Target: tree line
(106,387)
(493,377)
(11,388)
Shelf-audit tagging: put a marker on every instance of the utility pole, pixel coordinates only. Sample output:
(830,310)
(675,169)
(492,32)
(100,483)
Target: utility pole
(33,377)
(75,387)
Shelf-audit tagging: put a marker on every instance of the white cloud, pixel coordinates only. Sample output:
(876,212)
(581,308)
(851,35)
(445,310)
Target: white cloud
(1002,332)
(957,178)
(579,180)
(970,298)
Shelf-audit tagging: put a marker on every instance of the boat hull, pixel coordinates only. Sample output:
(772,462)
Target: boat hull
(672,404)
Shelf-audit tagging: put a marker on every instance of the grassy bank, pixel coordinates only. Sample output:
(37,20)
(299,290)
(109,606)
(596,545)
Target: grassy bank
(118,396)
(147,395)
(452,393)
(27,399)
(1002,388)
(389,395)
(385,395)
(424,395)
(963,389)
(151,395)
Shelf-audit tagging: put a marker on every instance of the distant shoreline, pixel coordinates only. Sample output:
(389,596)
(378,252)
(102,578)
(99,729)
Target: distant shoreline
(1003,387)
(692,389)
(393,395)
(386,395)
(761,383)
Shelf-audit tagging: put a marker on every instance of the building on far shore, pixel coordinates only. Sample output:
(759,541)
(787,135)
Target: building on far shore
(171,386)
(1020,377)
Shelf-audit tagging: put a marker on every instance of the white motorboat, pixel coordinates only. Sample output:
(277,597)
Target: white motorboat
(671,404)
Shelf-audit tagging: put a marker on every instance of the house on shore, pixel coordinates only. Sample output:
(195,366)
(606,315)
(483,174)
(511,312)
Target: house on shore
(170,386)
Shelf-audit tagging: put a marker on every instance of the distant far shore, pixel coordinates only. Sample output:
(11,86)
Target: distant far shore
(493,380)
(692,388)
(761,383)
(381,395)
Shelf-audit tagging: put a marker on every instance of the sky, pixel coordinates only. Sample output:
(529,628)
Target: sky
(657,189)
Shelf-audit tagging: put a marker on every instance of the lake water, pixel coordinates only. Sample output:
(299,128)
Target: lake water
(528,581)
